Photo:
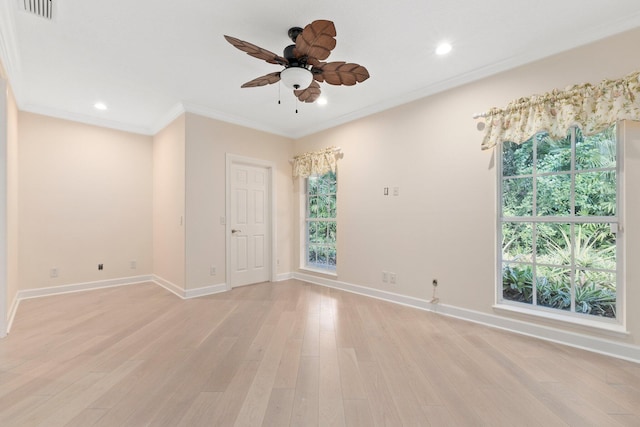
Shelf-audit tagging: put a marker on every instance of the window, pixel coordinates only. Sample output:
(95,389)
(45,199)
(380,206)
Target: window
(559,210)
(320,222)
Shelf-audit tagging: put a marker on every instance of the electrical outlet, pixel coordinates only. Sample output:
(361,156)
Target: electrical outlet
(212,270)
(385,277)
(396,191)
(53,273)
(393,279)
(100,266)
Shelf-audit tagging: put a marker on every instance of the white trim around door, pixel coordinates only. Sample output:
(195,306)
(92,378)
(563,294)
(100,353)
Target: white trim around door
(231,160)
(3,210)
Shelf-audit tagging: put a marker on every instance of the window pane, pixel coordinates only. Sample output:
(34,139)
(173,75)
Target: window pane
(597,151)
(332,232)
(517,197)
(553,287)
(553,244)
(332,261)
(323,185)
(516,242)
(311,231)
(330,180)
(595,246)
(321,261)
(320,235)
(596,293)
(333,211)
(312,254)
(517,283)
(553,155)
(596,193)
(314,207)
(323,206)
(313,183)
(517,159)
(553,196)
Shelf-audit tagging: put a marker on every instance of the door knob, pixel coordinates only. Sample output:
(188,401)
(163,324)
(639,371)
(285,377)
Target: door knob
(235,231)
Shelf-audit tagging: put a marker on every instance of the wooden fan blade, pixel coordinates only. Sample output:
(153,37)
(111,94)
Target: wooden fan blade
(267,79)
(316,71)
(340,73)
(309,94)
(256,51)
(316,41)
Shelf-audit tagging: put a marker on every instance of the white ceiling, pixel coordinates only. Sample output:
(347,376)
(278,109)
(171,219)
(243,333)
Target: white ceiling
(151,60)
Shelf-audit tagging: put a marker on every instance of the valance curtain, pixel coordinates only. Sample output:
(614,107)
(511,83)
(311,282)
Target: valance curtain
(315,163)
(593,108)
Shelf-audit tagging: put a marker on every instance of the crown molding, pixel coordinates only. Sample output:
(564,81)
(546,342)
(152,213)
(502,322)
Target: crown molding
(86,119)
(173,113)
(230,118)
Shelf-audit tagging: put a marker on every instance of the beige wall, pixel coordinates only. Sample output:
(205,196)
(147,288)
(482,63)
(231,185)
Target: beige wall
(169,203)
(208,142)
(12,198)
(85,197)
(443,223)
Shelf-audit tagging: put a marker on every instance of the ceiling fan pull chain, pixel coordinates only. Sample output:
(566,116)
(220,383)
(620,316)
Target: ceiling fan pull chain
(296,105)
(279,85)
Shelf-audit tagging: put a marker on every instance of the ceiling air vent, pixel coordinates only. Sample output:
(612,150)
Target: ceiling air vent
(42,8)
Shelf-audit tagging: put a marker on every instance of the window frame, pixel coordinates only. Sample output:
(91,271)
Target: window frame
(617,324)
(305,241)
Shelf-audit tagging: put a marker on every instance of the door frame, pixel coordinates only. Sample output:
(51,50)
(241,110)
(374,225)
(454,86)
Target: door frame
(232,159)
(4,287)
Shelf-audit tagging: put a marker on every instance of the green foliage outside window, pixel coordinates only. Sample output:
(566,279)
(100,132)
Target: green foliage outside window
(321,226)
(558,200)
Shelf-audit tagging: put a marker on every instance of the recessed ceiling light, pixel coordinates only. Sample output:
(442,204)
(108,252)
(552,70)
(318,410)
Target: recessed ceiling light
(322,101)
(100,106)
(443,48)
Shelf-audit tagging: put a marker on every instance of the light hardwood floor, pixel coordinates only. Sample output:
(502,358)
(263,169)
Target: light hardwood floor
(291,353)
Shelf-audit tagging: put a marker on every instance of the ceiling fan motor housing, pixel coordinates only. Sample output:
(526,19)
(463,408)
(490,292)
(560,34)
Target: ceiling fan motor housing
(291,57)
(294,32)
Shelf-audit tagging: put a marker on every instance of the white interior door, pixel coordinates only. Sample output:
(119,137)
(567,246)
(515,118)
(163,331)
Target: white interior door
(249,224)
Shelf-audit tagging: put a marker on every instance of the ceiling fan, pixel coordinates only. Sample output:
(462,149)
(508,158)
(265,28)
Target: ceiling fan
(302,62)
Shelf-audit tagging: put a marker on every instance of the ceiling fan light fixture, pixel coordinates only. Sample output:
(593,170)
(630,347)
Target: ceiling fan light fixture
(296,77)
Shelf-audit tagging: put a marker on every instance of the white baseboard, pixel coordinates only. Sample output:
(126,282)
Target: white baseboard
(174,289)
(12,313)
(78,287)
(572,339)
(101,284)
(207,290)
(284,276)
(65,289)
(189,293)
